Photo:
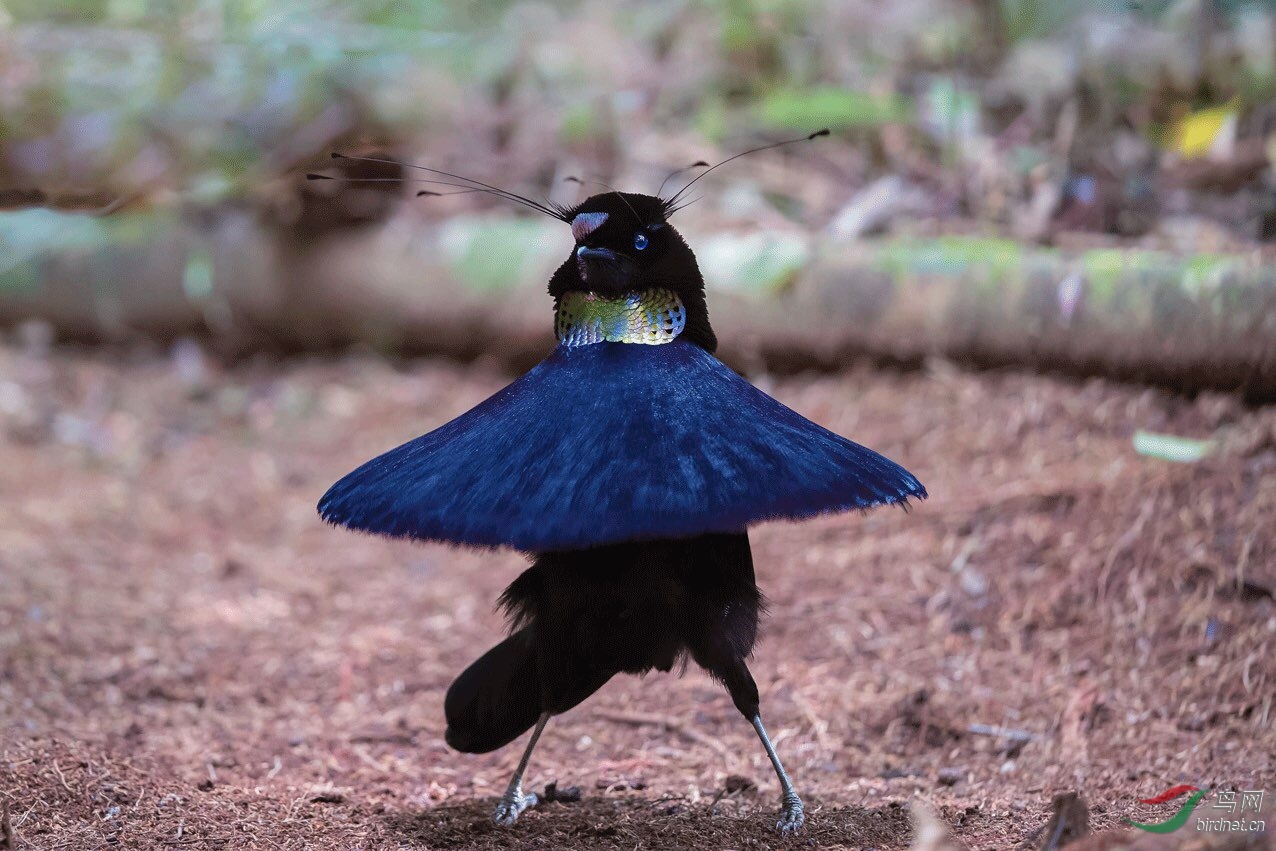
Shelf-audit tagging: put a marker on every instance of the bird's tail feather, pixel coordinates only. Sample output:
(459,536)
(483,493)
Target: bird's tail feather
(496,699)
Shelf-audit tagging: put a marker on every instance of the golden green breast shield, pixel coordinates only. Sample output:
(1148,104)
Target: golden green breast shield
(651,317)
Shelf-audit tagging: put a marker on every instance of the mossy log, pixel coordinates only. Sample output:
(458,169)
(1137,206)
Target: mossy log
(472,287)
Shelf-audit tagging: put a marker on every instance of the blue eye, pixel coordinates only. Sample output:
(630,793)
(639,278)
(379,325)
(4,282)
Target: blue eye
(640,240)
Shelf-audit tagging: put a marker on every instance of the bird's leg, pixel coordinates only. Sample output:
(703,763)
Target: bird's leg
(744,693)
(792,813)
(514,801)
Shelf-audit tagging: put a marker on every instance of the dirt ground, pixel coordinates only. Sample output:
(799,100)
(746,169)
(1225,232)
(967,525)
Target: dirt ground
(190,658)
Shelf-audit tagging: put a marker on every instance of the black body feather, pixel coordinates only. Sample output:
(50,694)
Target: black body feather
(581,617)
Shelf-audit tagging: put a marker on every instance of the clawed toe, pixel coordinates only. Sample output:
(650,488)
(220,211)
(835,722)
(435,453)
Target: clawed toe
(509,809)
(792,817)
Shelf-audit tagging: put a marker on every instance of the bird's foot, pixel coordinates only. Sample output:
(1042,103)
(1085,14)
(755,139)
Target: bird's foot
(512,805)
(792,815)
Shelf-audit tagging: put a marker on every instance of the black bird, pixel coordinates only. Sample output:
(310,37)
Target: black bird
(629,463)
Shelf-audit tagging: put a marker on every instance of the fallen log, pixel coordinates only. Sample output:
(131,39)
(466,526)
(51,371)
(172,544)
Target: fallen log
(475,286)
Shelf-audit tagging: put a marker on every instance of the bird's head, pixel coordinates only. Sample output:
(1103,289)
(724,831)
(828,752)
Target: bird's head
(623,243)
(625,249)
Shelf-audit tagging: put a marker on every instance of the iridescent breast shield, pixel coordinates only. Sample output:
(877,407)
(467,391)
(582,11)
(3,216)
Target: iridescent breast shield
(651,317)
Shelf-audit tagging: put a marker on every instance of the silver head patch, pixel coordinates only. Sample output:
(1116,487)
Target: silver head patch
(586,223)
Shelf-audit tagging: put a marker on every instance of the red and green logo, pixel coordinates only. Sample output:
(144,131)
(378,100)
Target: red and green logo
(1180,818)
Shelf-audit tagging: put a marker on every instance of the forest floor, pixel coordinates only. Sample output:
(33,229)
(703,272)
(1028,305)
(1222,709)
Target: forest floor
(189,658)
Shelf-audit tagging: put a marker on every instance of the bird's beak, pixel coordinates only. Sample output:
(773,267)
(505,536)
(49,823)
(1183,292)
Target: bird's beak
(604,270)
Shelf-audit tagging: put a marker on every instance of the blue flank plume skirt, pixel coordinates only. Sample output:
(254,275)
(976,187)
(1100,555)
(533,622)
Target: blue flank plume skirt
(614,442)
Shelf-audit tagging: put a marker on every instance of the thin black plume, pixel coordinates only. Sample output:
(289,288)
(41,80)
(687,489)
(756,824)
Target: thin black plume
(470,184)
(678,171)
(462,189)
(672,203)
(571,178)
(431,193)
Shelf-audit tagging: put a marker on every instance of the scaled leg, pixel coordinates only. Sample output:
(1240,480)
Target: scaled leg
(792,813)
(514,801)
(744,691)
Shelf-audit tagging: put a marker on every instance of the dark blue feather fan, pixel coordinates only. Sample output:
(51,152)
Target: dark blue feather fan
(614,442)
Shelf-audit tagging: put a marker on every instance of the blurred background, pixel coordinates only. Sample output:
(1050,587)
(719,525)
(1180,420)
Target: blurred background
(1068,184)
(1034,261)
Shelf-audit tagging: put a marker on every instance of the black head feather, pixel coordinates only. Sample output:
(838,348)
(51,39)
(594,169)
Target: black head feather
(624,243)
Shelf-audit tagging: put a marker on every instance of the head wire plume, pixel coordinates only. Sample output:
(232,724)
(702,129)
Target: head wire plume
(467,185)
(671,204)
(571,178)
(671,175)
(430,192)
